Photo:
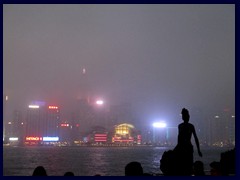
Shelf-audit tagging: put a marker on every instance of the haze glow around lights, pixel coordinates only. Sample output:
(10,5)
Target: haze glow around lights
(159,124)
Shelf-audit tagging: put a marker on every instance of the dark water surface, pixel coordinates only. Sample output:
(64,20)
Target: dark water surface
(88,161)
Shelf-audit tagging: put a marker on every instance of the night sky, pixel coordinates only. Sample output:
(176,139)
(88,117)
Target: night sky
(157,57)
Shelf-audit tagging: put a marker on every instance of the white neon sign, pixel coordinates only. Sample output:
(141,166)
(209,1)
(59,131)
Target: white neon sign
(33,106)
(50,138)
(13,139)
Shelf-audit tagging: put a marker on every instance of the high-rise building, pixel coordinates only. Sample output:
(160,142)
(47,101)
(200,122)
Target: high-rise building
(42,123)
(222,128)
(65,132)
(53,121)
(199,120)
(33,127)
(81,117)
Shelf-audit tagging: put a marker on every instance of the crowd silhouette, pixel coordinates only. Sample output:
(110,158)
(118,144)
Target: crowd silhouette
(178,161)
(39,171)
(133,169)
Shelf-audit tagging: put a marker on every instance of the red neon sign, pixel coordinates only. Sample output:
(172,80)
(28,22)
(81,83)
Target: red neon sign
(64,125)
(33,138)
(100,137)
(52,107)
(100,140)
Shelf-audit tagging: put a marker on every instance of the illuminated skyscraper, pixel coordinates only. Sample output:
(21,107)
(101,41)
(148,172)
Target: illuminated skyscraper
(53,121)
(33,121)
(222,128)
(42,121)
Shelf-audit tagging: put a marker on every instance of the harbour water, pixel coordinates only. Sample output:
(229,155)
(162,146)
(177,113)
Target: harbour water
(89,161)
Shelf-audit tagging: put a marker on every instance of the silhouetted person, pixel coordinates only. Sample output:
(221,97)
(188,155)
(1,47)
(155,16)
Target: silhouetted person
(198,168)
(215,168)
(227,162)
(168,164)
(69,174)
(133,169)
(184,148)
(39,171)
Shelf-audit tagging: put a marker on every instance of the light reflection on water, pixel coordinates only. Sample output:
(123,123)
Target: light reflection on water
(88,161)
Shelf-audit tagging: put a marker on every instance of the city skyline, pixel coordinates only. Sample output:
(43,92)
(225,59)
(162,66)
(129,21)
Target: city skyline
(44,120)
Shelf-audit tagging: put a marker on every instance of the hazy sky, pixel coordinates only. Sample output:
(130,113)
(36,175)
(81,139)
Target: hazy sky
(158,57)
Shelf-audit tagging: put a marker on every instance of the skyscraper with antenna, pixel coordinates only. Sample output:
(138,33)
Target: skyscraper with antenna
(82,118)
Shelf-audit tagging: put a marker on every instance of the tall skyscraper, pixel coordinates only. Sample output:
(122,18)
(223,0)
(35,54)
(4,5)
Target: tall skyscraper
(222,128)
(83,117)
(42,121)
(33,121)
(53,121)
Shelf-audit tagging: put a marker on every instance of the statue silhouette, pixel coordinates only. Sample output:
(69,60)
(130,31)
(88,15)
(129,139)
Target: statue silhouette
(179,161)
(184,149)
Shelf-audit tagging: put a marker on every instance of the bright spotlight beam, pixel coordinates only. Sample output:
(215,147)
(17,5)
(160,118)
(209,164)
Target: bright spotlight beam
(159,124)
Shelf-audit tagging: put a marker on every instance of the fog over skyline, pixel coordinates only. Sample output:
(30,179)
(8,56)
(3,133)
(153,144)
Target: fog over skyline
(157,57)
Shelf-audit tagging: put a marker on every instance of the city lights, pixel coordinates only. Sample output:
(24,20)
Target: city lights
(159,124)
(99,102)
(33,138)
(100,138)
(52,107)
(64,125)
(50,138)
(33,106)
(13,139)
